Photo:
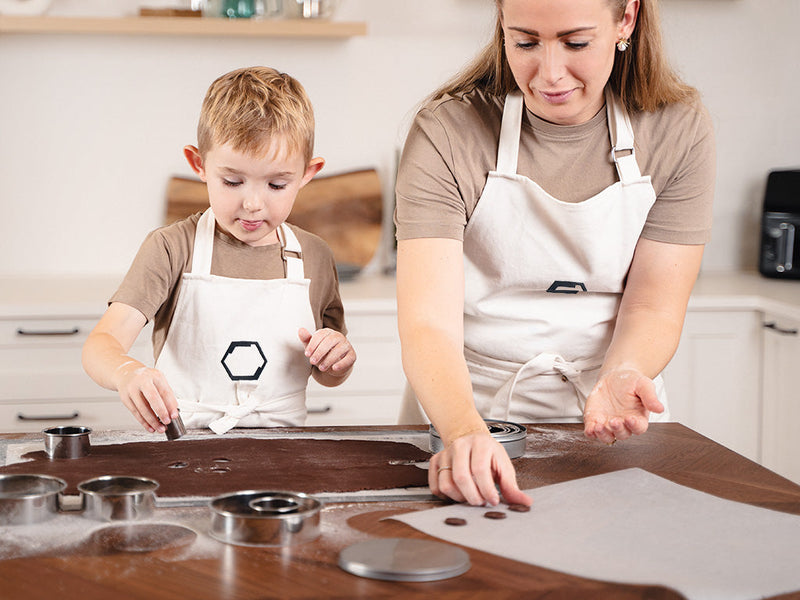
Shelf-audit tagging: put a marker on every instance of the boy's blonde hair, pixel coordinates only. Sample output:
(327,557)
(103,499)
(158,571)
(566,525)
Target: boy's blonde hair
(252,107)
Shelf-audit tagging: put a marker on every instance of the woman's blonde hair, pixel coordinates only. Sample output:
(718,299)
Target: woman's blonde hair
(251,108)
(641,75)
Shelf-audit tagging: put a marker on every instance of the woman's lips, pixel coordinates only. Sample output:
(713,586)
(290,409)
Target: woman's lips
(250,225)
(556,97)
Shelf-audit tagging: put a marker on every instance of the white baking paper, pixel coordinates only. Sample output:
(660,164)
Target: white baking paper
(631,526)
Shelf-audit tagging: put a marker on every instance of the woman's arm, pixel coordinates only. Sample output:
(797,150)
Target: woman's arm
(646,336)
(430,304)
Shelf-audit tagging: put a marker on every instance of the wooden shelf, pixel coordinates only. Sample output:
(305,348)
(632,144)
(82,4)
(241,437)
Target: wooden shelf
(188,26)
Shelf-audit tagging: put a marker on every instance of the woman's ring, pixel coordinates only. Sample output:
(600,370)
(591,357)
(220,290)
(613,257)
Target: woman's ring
(443,469)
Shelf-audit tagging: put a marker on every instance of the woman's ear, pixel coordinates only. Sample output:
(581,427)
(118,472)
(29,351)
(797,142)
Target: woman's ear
(195,160)
(314,167)
(628,22)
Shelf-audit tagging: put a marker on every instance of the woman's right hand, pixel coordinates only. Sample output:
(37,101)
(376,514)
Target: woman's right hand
(471,468)
(146,393)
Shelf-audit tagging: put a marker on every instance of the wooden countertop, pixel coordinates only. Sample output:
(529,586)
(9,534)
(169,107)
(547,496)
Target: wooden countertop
(554,453)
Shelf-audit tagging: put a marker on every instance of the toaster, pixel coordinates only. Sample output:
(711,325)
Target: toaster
(780,226)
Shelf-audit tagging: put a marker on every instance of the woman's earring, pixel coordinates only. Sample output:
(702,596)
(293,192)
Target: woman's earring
(623,43)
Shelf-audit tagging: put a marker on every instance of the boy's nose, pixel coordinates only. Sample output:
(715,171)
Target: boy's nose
(254,201)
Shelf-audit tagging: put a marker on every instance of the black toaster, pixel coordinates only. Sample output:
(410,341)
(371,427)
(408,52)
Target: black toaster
(780,226)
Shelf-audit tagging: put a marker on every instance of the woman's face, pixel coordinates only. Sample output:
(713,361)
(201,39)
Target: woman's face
(561,53)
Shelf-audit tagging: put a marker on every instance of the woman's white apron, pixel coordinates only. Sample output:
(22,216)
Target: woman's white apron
(232,354)
(544,280)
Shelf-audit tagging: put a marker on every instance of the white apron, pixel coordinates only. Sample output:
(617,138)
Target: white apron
(232,354)
(544,280)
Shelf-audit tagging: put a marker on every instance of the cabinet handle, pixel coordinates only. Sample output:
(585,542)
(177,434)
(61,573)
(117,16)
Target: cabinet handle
(782,330)
(32,332)
(74,415)
(320,411)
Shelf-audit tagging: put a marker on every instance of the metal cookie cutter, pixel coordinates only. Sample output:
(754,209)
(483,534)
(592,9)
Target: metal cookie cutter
(510,435)
(118,498)
(265,518)
(71,441)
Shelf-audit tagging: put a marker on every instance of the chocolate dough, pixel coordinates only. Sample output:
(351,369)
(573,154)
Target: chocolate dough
(213,467)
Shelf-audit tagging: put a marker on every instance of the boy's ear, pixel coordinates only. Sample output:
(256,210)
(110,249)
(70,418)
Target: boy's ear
(314,167)
(195,160)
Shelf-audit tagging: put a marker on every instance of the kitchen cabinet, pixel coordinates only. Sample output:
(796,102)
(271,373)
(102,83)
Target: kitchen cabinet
(183,26)
(781,396)
(736,380)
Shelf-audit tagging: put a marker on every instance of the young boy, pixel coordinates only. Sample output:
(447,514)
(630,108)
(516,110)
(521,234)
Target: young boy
(234,292)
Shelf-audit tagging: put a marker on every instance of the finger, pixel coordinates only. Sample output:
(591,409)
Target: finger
(319,345)
(143,408)
(646,390)
(507,481)
(150,402)
(169,400)
(131,406)
(334,354)
(433,475)
(483,475)
(463,482)
(619,429)
(304,335)
(636,425)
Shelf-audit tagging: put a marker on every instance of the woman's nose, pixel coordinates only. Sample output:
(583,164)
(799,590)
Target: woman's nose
(552,65)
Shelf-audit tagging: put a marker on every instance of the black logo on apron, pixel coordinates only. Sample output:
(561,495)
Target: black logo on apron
(566,287)
(244,361)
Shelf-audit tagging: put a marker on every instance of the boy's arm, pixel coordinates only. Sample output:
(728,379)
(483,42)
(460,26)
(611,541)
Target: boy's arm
(105,359)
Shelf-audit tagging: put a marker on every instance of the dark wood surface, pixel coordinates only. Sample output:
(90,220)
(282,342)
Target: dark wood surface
(93,568)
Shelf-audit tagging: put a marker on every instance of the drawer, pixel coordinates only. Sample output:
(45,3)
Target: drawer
(97,413)
(368,409)
(23,333)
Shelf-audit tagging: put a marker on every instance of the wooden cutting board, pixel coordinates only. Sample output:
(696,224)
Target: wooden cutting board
(345,210)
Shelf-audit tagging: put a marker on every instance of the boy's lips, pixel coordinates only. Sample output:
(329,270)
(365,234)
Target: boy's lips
(250,225)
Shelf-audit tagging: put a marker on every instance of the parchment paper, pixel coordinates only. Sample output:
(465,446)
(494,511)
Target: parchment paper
(631,526)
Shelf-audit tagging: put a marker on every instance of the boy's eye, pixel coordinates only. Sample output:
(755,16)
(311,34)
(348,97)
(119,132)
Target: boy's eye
(277,186)
(230,183)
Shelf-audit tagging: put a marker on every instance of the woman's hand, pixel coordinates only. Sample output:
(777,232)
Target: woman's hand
(146,393)
(468,469)
(620,405)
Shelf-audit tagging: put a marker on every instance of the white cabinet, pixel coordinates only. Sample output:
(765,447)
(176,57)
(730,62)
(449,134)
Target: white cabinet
(42,383)
(372,393)
(713,381)
(781,396)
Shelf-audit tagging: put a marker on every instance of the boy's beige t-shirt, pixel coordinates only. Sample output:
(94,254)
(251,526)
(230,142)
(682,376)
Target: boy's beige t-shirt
(452,146)
(154,279)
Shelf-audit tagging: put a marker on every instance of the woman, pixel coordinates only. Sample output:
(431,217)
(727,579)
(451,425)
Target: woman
(552,206)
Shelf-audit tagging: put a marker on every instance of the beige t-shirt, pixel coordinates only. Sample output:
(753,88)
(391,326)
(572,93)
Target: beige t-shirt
(154,279)
(452,146)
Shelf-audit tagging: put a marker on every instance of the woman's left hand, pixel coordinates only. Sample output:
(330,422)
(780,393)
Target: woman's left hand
(620,405)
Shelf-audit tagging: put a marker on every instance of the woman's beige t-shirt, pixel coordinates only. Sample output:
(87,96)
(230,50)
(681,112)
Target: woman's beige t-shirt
(452,146)
(154,279)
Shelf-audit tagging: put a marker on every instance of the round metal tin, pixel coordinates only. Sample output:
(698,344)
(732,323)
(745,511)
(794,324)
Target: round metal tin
(510,435)
(404,559)
(265,518)
(71,441)
(118,497)
(29,499)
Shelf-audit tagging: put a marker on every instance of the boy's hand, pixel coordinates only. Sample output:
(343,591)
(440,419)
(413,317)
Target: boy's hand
(329,351)
(146,393)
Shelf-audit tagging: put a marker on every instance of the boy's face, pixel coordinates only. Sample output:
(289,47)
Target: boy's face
(252,195)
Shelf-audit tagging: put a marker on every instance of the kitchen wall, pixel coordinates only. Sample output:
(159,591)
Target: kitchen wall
(92,126)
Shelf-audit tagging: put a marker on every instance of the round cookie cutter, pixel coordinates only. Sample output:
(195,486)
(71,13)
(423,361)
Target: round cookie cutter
(265,518)
(28,499)
(118,497)
(71,441)
(510,435)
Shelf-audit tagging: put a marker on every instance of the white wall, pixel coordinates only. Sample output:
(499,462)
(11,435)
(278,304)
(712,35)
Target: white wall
(91,127)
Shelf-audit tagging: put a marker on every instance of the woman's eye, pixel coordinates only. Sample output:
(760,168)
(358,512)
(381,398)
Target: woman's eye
(525,45)
(230,183)
(577,45)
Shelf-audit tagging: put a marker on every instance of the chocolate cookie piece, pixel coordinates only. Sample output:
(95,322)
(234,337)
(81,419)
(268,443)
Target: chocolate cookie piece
(519,508)
(455,521)
(494,514)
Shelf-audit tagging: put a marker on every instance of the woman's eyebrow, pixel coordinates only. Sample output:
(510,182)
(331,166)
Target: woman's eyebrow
(534,33)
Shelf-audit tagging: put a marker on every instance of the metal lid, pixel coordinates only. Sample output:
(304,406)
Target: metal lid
(404,559)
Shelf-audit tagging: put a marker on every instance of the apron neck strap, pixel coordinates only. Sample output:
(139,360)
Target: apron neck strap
(291,253)
(621,133)
(508,147)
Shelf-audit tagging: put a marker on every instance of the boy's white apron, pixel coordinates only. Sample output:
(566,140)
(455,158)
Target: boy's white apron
(232,354)
(544,280)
